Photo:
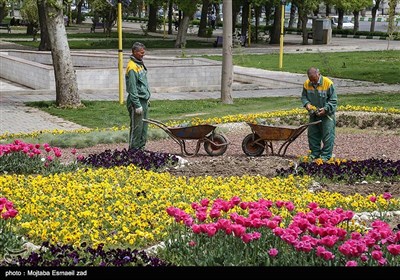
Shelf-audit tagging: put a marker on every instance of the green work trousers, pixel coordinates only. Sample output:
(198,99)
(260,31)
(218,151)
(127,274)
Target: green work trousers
(138,128)
(321,137)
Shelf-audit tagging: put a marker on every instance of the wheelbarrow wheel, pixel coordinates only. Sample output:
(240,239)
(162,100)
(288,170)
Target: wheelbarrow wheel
(251,146)
(216,150)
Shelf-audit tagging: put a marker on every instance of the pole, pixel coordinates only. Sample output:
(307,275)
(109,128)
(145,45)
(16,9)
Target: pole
(120,55)
(281,37)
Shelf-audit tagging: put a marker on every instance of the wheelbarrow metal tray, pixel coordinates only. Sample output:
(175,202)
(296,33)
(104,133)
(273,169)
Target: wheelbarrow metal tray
(273,133)
(192,132)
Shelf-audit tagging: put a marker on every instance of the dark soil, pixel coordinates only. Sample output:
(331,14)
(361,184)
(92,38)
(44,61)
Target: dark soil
(349,144)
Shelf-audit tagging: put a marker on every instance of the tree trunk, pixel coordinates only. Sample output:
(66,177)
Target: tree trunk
(340,19)
(182,31)
(152,23)
(44,34)
(304,19)
(391,25)
(203,20)
(375,8)
(327,10)
(356,15)
(392,13)
(257,13)
(292,15)
(227,49)
(235,12)
(79,12)
(170,17)
(65,76)
(276,29)
(3,8)
(245,21)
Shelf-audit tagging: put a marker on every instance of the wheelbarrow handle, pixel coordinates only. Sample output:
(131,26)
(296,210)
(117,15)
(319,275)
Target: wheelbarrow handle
(310,123)
(157,123)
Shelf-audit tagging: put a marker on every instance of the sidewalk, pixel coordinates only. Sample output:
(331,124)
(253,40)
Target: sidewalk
(17,118)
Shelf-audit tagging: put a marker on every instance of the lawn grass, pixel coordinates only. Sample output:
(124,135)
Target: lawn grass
(373,66)
(112,43)
(107,114)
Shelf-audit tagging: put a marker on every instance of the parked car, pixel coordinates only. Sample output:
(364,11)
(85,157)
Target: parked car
(347,24)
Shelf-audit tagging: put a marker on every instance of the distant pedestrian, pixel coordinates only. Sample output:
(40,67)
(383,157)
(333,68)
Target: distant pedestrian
(176,22)
(213,19)
(320,99)
(138,97)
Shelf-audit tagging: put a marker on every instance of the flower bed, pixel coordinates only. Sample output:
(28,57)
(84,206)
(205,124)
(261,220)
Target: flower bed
(63,208)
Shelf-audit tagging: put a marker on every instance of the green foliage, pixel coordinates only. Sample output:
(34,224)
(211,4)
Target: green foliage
(29,11)
(9,240)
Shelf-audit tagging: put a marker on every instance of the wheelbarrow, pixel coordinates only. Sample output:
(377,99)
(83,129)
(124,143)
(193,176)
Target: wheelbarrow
(215,144)
(262,136)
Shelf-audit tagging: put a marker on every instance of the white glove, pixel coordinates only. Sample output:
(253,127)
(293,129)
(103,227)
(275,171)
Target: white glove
(139,111)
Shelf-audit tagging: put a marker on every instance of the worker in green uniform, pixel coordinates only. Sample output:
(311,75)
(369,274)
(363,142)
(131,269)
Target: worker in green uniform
(320,99)
(137,101)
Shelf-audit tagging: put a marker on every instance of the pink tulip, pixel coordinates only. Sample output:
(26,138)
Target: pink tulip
(273,252)
(351,263)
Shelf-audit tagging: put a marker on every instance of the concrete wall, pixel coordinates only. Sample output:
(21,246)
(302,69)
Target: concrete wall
(25,72)
(35,70)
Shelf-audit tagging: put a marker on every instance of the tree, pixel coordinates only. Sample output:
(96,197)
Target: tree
(245,19)
(79,11)
(29,12)
(276,28)
(188,10)
(305,7)
(374,10)
(153,17)
(357,6)
(170,17)
(227,47)
(3,9)
(107,11)
(44,44)
(203,20)
(391,26)
(343,7)
(64,73)
(293,9)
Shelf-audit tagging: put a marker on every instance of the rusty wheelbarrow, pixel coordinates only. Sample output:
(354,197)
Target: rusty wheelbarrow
(262,136)
(215,144)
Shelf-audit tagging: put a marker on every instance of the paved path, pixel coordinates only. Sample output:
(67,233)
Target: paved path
(15,117)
